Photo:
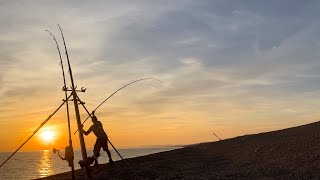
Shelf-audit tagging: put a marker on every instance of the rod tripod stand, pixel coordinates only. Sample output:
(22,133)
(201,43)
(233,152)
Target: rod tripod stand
(77,102)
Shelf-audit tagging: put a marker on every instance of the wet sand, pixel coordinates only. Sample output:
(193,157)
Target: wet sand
(292,153)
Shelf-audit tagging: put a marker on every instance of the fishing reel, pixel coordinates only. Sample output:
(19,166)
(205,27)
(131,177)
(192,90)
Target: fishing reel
(68,155)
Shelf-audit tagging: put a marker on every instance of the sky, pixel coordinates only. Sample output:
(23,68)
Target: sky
(229,67)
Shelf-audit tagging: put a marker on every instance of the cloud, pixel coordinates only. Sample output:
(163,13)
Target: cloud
(223,62)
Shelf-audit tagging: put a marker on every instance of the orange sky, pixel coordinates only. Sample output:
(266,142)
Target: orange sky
(176,126)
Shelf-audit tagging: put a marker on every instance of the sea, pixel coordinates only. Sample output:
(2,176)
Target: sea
(38,164)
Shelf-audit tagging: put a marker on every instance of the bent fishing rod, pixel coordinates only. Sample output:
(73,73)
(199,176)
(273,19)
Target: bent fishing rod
(116,92)
(76,109)
(82,103)
(67,104)
(35,131)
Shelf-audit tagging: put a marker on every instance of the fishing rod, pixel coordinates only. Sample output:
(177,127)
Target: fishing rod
(76,108)
(82,103)
(67,104)
(216,136)
(116,92)
(35,131)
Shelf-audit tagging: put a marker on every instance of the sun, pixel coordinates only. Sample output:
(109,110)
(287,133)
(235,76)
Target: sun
(47,135)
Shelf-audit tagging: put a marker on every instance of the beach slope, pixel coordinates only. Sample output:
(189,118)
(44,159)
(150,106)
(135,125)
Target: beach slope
(292,153)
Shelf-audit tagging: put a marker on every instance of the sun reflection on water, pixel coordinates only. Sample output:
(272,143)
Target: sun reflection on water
(45,165)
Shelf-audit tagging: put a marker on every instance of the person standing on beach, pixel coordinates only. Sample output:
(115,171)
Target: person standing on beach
(102,139)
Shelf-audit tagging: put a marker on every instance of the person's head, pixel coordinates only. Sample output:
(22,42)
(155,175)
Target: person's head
(94,119)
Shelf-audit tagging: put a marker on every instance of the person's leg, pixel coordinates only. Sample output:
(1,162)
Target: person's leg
(96,152)
(109,155)
(96,163)
(106,149)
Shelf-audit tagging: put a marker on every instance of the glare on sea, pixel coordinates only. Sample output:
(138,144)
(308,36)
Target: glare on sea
(45,166)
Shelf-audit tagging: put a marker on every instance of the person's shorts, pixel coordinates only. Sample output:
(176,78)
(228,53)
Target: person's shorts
(100,143)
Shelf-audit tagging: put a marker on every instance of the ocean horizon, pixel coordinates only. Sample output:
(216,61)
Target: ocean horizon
(43,163)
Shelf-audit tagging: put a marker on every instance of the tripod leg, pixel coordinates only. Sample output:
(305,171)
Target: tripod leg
(123,159)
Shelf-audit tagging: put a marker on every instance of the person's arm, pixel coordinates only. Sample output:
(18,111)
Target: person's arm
(87,132)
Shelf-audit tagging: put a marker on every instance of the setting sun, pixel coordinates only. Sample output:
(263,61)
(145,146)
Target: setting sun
(47,135)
